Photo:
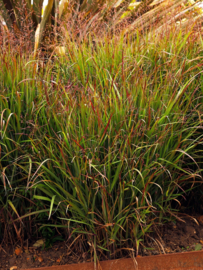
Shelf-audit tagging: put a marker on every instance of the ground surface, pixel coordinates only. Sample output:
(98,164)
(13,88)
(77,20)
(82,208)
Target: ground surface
(173,237)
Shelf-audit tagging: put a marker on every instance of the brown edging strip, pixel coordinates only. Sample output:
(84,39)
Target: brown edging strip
(177,261)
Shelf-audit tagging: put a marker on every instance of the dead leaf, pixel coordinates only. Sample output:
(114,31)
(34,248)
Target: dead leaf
(40,259)
(18,251)
(13,267)
(58,260)
(39,243)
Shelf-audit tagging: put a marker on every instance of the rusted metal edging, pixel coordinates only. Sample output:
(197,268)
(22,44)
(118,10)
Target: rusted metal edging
(176,261)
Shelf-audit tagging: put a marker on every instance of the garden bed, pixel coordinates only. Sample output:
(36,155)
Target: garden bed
(174,237)
(101,144)
(181,261)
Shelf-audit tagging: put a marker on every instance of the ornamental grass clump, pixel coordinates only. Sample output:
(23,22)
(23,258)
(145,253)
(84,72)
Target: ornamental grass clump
(122,141)
(100,141)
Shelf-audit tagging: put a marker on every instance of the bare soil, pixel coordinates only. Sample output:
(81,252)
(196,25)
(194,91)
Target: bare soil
(173,237)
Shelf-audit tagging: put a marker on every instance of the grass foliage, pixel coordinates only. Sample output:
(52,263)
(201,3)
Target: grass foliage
(98,142)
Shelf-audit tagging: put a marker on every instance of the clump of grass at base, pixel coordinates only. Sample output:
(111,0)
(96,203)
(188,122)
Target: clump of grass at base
(114,138)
